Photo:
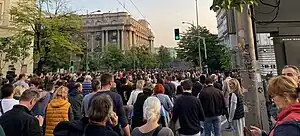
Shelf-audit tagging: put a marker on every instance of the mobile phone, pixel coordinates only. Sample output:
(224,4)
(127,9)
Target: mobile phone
(248,132)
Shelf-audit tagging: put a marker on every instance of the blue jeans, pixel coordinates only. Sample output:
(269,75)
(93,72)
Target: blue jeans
(212,125)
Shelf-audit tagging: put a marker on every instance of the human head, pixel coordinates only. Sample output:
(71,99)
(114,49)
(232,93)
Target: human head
(202,79)
(160,81)
(284,90)
(140,84)
(148,89)
(159,89)
(209,80)
(227,74)
(78,87)
(100,109)
(187,85)
(61,93)
(29,98)
(88,78)
(179,90)
(37,82)
(7,90)
(151,109)
(22,76)
(96,85)
(107,80)
(235,86)
(291,71)
(213,77)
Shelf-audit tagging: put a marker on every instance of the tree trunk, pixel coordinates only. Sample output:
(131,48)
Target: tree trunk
(40,66)
(256,113)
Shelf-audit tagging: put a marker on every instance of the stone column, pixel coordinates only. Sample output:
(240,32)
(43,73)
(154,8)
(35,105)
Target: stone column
(93,41)
(103,40)
(106,40)
(129,43)
(118,38)
(122,39)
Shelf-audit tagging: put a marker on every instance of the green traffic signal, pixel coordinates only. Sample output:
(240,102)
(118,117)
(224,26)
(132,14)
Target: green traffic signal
(176,31)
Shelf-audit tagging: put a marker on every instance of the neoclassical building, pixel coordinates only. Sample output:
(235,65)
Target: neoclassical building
(7,30)
(118,29)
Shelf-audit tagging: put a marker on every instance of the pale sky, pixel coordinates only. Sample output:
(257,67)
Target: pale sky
(163,15)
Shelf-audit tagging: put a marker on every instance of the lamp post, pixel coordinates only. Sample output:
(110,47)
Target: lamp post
(87,43)
(199,47)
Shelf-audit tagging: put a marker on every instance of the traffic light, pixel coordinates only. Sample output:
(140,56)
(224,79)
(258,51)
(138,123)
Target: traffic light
(177,36)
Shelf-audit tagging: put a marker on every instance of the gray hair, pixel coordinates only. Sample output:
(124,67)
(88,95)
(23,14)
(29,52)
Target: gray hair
(151,109)
(140,84)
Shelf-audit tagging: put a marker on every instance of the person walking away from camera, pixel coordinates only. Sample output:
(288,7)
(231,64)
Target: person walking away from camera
(107,83)
(41,105)
(21,81)
(100,112)
(7,102)
(226,91)
(19,121)
(184,112)
(213,104)
(75,99)
(96,86)
(87,85)
(59,109)
(139,89)
(151,111)
(137,118)
(236,107)
(285,92)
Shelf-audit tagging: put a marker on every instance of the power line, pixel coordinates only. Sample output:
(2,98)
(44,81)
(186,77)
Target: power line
(137,9)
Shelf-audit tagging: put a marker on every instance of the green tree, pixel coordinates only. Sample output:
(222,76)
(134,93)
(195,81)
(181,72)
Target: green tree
(113,58)
(140,56)
(188,49)
(55,30)
(163,57)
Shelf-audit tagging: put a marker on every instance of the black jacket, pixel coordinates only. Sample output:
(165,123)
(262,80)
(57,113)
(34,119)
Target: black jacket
(75,99)
(239,111)
(213,102)
(188,109)
(172,89)
(20,122)
(197,87)
(137,119)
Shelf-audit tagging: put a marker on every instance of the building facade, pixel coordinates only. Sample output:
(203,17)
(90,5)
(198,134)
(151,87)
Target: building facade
(103,30)
(227,36)
(6,31)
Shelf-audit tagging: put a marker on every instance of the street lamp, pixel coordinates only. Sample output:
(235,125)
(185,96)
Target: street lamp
(199,47)
(87,44)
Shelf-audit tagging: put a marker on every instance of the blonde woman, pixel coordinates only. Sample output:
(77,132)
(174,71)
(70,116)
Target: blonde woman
(285,92)
(139,89)
(236,107)
(59,109)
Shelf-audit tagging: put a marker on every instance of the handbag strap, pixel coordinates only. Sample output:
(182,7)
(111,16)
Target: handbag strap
(155,133)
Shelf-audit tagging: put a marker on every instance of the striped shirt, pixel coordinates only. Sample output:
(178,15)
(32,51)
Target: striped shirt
(86,88)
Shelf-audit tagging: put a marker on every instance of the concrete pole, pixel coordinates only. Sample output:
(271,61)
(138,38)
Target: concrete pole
(199,53)
(256,113)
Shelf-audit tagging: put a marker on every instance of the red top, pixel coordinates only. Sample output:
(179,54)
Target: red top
(291,113)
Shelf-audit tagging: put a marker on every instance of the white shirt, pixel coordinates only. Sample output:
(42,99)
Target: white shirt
(176,83)
(8,104)
(133,96)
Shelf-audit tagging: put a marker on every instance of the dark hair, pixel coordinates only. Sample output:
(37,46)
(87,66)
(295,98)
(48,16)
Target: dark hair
(187,85)
(202,79)
(227,74)
(38,82)
(179,90)
(77,85)
(168,78)
(50,86)
(21,76)
(7,90)
(96,84)
(29,94)
(209,80)
(160,81)
(100,108)
(105,79)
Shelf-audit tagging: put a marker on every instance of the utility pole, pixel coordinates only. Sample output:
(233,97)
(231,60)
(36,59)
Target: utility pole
(199,41)
(255,104)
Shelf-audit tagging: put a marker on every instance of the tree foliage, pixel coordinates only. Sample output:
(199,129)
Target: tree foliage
(217,56)
(163,57)
(113,58)
(56,30)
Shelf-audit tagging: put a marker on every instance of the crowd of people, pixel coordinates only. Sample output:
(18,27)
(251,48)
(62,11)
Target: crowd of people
(140,103)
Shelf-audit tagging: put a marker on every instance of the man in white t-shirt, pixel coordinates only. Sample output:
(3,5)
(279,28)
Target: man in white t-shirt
(8,101)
